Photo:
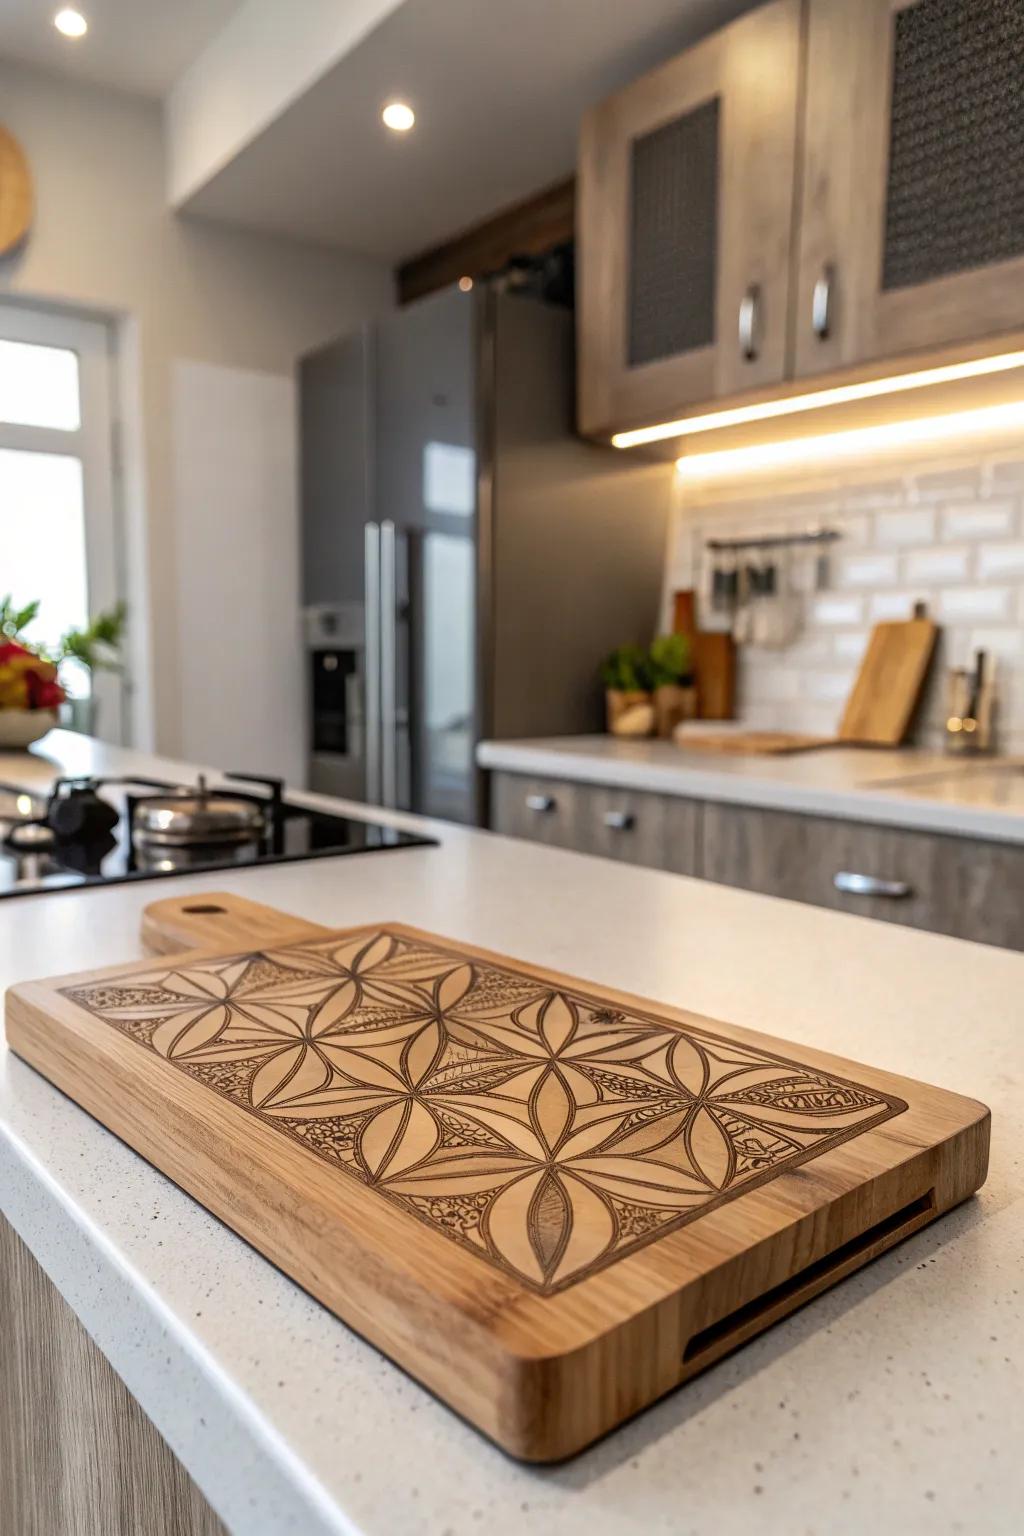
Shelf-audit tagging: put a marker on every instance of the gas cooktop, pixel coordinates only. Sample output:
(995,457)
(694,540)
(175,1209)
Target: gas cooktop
(102,831)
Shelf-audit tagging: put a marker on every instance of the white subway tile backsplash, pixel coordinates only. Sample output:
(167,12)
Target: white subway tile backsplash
(867,571)
(961,603)
(826,686)
(887,493)
(837,610)
(1006,644)
(912,527)
(952,537)
(1006,472)
(981,520)
(894,605)
(945,484)
(1001,560)
(850,645)
(937,565)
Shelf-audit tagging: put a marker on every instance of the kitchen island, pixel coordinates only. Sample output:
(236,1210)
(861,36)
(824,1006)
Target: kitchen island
(890,1402)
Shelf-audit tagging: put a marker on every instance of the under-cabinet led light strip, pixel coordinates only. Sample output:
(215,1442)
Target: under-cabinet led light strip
(842,394)
(803,451)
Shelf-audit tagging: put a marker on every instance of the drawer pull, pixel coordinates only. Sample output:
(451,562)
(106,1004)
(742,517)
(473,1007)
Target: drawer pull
(619,821)
(870,885)
(821,303)
(750,324)
(542,804)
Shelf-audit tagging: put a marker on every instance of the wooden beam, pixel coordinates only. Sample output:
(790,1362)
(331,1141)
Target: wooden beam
(528,228)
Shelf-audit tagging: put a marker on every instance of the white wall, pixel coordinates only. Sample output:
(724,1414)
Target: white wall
(948,531)
(236,513)
(104,241)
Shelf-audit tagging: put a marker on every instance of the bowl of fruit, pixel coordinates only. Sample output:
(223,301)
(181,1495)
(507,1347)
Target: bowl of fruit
(29,695)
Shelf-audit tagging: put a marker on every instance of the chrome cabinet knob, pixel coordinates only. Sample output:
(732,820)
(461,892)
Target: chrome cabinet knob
(853,884)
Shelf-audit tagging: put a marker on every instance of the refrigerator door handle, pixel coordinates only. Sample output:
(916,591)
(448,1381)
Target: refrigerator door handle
(388,666)
(372,661)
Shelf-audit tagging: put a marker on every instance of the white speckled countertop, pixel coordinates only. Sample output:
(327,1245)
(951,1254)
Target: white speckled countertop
(891,1403)
(983,797)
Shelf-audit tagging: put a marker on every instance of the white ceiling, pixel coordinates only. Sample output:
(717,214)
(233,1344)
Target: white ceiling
(133,45)
(498,87)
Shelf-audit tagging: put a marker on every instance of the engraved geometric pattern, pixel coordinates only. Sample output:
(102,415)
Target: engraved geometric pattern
(543,1129)
(673,234)
(956,161)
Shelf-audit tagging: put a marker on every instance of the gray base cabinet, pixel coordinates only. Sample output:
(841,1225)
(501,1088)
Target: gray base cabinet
(955,885)
(659,831)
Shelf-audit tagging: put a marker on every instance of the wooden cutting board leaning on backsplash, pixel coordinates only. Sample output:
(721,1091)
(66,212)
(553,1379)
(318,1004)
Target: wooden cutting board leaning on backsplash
(549,1201)
(878,711)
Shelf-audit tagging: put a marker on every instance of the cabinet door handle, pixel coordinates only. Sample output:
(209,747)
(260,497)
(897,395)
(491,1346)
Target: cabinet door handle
(852,884)
(619,821)
(541,803)
(821,303)
(750,328)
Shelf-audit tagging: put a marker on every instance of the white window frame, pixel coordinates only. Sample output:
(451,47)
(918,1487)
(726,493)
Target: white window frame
(92,443)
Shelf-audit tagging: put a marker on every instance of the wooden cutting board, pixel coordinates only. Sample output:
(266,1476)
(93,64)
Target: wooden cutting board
(751,743)
(549,1201)
(888,686)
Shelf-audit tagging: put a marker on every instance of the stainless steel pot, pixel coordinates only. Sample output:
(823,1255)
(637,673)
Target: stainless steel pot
(196,817)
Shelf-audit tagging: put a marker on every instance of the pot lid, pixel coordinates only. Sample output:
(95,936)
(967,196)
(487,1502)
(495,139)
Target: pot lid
(198,815)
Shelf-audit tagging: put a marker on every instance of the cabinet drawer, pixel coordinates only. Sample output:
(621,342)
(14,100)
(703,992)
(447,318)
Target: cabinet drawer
(953,885)
(542,810)
(659,831)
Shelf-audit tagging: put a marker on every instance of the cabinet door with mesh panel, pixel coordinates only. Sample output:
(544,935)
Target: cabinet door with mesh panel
(912,198)
(685,213)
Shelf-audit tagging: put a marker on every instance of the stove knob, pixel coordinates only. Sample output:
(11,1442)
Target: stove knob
(81,815)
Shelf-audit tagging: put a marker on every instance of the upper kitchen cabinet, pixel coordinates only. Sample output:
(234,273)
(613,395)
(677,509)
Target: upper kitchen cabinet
(911,231)
(686,191)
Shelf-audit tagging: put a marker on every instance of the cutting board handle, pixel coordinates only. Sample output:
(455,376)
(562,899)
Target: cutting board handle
(216,919)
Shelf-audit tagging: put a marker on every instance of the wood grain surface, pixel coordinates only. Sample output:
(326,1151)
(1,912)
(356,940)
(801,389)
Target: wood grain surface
(888,685)
(78,1457)
(753,67)
(551,1202)
(16,200)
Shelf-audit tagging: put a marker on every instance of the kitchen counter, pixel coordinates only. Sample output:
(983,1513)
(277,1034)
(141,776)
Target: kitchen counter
(906,788)
(892,1402)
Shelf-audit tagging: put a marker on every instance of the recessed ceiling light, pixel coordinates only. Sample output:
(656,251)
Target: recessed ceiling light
(71,23)
(398,116)
(466,284)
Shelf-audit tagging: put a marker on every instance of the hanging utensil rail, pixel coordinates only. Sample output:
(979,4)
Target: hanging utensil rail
(776,540)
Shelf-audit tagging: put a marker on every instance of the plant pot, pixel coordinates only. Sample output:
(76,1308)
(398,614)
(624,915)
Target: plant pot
(629,713)
(19,728)
(673,703)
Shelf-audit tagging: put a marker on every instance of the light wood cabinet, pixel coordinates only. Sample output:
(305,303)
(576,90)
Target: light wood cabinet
(911,232)
(685,225)
(855,171)
(954,885)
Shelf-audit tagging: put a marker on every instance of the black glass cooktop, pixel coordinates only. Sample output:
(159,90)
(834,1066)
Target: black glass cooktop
(34,858)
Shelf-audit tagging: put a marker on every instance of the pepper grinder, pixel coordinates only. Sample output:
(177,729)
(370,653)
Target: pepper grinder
(971,707)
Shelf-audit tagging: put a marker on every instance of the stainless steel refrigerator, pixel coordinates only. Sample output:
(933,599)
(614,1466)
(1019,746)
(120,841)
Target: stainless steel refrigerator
(467,559)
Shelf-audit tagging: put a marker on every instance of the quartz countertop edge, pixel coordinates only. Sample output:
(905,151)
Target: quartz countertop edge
(877,786)
(292,1425)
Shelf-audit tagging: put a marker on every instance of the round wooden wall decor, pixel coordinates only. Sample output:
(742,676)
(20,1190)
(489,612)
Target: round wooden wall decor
(15,193)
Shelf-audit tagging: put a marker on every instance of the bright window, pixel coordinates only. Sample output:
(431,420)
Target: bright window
(58,536)
(39,386)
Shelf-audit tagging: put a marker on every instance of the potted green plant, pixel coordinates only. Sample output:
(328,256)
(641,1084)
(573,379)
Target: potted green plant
(626,679)
(97,648)
(669,668)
